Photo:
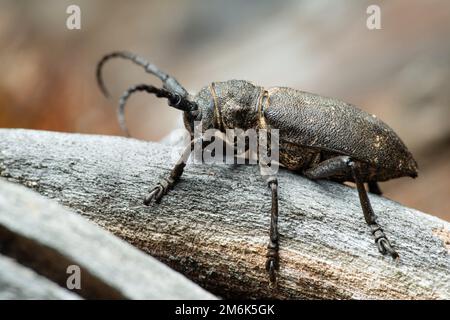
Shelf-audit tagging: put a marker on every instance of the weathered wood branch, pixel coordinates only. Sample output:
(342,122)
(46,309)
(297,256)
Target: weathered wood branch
(40,242)
(19,282)
(213,227)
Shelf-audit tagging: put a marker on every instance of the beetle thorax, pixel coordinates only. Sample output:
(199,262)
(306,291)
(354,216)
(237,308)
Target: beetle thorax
(235,104)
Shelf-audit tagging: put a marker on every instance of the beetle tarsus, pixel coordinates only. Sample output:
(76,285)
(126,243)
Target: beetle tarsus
(383,244)
(161,189)
(342,165)
(168,183)
(155,194)
(272,267)
(272,262)
(385,248)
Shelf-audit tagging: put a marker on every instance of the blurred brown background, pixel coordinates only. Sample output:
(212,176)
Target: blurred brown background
(401,72)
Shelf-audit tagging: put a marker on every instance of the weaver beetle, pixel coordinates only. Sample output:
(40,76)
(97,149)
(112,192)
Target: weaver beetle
(321,138)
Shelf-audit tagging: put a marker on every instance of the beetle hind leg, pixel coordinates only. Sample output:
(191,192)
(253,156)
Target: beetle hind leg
(344,166)
(383,244)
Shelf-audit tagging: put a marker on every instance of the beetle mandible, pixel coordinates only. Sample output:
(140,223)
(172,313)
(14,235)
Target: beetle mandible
(321,138)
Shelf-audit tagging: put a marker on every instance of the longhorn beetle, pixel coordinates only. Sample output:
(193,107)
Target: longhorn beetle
(321,138)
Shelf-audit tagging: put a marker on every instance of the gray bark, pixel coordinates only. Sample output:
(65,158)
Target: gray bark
(40,241)
(213,227)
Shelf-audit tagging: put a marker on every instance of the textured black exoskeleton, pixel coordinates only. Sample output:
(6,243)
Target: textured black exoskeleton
(320,137)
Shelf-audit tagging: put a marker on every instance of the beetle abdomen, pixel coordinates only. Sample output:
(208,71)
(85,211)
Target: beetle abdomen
(298,158)
(314,121)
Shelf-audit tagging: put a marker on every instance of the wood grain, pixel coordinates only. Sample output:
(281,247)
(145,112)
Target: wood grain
(213,227)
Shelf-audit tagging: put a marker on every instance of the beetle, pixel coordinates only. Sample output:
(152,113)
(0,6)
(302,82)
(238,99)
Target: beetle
(320,137)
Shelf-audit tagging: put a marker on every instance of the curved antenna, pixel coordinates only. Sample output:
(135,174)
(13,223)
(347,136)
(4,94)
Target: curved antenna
(174,100)
(169,82)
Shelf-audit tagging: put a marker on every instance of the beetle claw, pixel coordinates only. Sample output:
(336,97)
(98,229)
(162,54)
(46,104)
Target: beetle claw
(271,267)
(155,194)
(385,247)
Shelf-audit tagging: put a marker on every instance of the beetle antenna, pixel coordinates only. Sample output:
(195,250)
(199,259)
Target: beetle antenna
(169,83)
(174,100)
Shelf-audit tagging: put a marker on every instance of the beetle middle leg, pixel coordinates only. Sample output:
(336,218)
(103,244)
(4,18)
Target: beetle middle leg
(343,165)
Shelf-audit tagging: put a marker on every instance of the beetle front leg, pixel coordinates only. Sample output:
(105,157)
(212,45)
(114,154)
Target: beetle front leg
(342,165)
(273,259)
(165,184)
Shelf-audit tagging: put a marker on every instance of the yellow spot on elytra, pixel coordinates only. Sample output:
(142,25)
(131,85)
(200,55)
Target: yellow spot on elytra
(377,143)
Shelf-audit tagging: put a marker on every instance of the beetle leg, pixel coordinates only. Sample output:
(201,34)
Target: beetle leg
(163,186)
(374,188)
(273,259)
(342,165)
(384,246)
(329,168)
